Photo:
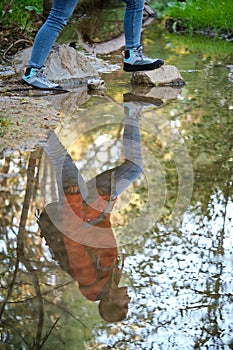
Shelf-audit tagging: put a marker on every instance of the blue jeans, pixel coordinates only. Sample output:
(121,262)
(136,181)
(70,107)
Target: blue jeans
(133,22)
(61,12)
(111,182)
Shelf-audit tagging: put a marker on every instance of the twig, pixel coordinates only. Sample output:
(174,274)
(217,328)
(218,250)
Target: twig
(9,325)
(66,311)
(44,293)
(7,8)
(36,284)
(10,47)
(10,288)
(48,333)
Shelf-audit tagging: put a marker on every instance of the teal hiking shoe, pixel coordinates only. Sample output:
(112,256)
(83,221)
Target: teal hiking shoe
(37,78)
(134,61)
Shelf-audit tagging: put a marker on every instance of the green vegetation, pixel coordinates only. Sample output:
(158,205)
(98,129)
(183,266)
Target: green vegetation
(196,14)
(20,20)
(160,7)
(215,14)
(20,13)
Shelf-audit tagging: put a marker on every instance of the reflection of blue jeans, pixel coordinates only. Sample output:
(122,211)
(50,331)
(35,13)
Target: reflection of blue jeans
(112,182)
(61,12)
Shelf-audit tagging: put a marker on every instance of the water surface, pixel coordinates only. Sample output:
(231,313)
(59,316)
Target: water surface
(173,224)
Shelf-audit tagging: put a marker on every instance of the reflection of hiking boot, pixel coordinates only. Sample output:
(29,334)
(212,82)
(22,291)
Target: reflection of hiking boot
(133,110)
(134,61)
(37,78)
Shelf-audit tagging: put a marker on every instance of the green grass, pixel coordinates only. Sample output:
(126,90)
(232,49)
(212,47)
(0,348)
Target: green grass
(215,14)
(20,12)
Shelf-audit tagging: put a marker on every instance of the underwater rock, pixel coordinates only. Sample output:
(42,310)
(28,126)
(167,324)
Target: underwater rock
(64,65)
(163,76)
(230,75)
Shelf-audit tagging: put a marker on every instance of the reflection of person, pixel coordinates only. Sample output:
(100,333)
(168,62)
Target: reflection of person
(78,227)
(61,11)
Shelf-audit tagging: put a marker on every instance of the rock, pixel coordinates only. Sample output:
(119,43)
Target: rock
(6,72)
(95,84)
(230,77)
(64,65)
(166,75)
(154,93)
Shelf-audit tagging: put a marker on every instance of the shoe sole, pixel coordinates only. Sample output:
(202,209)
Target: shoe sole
(45,88)
(138,68)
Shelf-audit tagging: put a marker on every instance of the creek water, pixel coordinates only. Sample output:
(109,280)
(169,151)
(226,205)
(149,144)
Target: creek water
(172,223)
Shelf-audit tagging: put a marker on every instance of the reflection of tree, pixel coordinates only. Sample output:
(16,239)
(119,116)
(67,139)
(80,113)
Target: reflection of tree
(182,273)
(20,251)
(214,293)
(25,297)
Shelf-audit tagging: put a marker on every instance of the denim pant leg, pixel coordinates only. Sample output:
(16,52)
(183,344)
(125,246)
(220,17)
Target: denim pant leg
(133,22)
(60,13)
(128,171)
(132,168)
(67,174)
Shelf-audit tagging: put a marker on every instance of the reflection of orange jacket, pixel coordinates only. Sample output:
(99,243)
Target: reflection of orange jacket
(91,249)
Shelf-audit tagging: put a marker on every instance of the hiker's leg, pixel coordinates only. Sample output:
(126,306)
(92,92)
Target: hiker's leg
(67,174)
(59,15)
(115,181)
(133,22)
(131,136)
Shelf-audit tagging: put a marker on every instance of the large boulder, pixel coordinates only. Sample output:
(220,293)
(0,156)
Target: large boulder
(64,65)
(163,76)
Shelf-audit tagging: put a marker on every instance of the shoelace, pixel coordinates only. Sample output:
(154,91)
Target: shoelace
(139,53)
(42,75)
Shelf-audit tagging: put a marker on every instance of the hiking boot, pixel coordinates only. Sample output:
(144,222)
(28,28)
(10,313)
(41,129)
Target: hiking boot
(37,78)
(134,61)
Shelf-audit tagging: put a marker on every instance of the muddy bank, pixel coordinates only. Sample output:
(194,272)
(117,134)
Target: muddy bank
(27,114)
(24,121)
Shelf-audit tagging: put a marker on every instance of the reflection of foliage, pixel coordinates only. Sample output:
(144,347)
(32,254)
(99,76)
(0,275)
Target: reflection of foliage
(31,307)
(19,12)
(98,25)
(179,273)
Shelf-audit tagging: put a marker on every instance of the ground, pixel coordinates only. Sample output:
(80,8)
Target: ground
(24,119)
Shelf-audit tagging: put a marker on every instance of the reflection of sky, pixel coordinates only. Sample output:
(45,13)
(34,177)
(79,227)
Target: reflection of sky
(182,285)
(100,156)
(16,188)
